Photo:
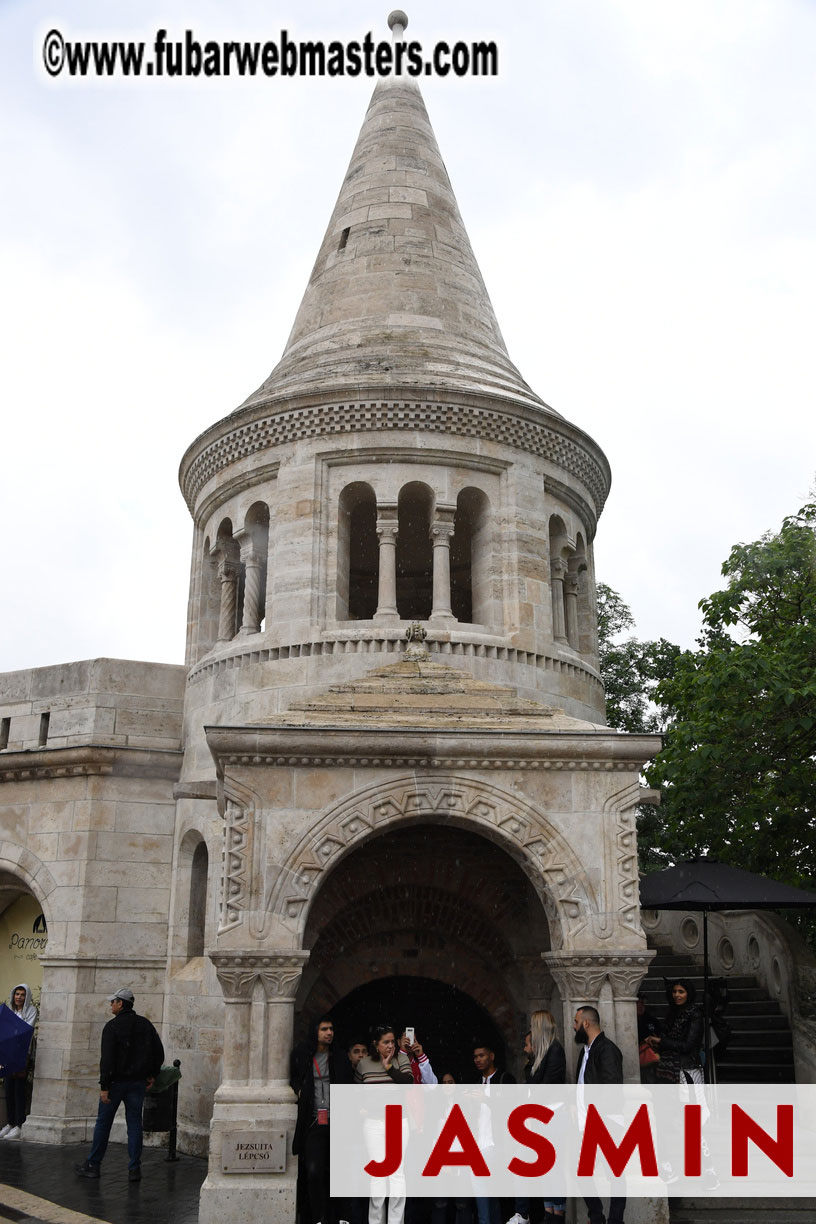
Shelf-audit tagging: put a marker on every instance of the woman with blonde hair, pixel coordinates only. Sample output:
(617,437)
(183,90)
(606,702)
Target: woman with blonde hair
(548,1066)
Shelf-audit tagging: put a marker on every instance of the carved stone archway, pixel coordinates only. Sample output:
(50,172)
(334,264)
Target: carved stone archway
(537,846)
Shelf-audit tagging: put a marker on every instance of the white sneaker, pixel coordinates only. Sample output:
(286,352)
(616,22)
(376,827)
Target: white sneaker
(14,1133)
(5,1130)
(518,1218)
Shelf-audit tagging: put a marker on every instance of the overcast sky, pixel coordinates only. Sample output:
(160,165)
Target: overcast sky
(639,188)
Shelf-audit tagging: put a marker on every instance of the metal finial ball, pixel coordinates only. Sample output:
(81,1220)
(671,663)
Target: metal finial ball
(397,18)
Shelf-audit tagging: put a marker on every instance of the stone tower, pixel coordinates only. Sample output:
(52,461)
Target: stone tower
(394,721)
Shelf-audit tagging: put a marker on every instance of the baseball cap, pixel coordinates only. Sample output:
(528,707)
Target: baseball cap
(125,994)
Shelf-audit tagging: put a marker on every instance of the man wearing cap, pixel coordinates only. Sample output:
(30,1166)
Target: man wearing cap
(132,1055)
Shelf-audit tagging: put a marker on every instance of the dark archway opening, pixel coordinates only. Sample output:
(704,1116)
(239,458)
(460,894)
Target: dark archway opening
(447,1021)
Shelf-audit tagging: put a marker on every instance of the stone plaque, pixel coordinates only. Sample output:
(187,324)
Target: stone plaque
(254,1151)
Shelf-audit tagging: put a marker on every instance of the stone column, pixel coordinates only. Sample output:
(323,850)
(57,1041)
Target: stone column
(558,569)
(237,980)
(441,532)
(580,977)
(387,586)
(228,573)
(253,595)
(264,1105)
(571,585)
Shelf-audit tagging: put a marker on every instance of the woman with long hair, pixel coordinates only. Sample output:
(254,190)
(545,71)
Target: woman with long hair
(681,1037)
(547,1066)
(384,1064)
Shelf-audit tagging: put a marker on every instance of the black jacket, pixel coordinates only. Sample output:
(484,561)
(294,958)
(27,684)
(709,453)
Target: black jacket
(131,1050)
(552,1069)
(605,1065)
(301,1077)
(682,1036)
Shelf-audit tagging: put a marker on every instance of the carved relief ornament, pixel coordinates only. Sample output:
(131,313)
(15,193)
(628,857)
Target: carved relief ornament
(278,972)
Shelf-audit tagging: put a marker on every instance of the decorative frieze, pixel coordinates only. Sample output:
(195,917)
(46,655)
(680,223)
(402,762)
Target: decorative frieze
(523,430)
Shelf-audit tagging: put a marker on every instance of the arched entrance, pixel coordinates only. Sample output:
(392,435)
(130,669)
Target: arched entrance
(23,937)
(451,1021)
(430,925)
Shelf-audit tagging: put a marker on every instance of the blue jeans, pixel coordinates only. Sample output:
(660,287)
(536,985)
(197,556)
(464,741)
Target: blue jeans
(132,1093)
(488,1211)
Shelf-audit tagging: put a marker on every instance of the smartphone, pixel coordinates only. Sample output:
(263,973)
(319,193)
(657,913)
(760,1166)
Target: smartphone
(409,1033)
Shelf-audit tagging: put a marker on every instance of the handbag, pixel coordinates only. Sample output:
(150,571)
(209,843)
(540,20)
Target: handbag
(647,1055)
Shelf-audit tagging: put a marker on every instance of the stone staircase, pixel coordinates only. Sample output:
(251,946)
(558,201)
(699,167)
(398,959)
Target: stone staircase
(743,1211)
(761,1047)
(760,1051)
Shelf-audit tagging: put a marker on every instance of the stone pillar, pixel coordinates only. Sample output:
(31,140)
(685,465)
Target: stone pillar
(580,977)
(441,532)
(228,574)
(571,585)
(387,587)
(264,1103)
(253,595)
(558,570)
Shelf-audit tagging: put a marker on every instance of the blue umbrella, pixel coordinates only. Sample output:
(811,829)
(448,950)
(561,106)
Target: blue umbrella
(15,1040)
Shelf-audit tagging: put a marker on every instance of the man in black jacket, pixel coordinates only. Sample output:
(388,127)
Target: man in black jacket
(600,1062)
(314,1066)
(132,1055)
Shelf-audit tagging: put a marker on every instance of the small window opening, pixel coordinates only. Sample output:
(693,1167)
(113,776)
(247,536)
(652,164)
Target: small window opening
(414,552)
(44,721)
(343,239)
(5,728)
(198,901)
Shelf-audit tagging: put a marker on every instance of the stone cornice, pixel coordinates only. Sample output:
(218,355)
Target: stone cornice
(259,427)
(382,639)
(59,960)
(377,747)
(90,759)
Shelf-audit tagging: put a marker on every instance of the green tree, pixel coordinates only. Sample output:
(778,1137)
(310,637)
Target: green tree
(738,769)
(631,669)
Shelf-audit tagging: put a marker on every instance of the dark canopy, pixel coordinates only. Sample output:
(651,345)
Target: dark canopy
(704,884)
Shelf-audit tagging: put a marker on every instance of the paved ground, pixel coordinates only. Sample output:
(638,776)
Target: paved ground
(38,1186)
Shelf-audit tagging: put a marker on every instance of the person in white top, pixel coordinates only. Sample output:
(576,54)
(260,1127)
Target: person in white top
(21,1004)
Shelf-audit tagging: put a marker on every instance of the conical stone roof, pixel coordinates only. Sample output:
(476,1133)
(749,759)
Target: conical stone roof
(396,297)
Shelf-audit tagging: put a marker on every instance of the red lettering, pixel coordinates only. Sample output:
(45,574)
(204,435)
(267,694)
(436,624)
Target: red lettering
(455,1130)
(779,1150)
(544,1150)
(392,1159)
(617,1156)
(692,1140)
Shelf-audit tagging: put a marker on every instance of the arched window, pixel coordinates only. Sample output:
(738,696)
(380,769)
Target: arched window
(209,601)
(197,910)
(192,869)
(470,558)
(414,552)
(558,573)
(228,557)
(358,558)
(254,555)
(580,580)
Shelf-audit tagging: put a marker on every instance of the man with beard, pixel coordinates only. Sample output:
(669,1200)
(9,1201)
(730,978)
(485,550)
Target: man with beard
(600,1062)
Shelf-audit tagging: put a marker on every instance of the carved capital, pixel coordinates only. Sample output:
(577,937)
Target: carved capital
(228,571)
(573,584)
(580,975)
(558,569)
(387,531)
(278,972)
(441,533)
